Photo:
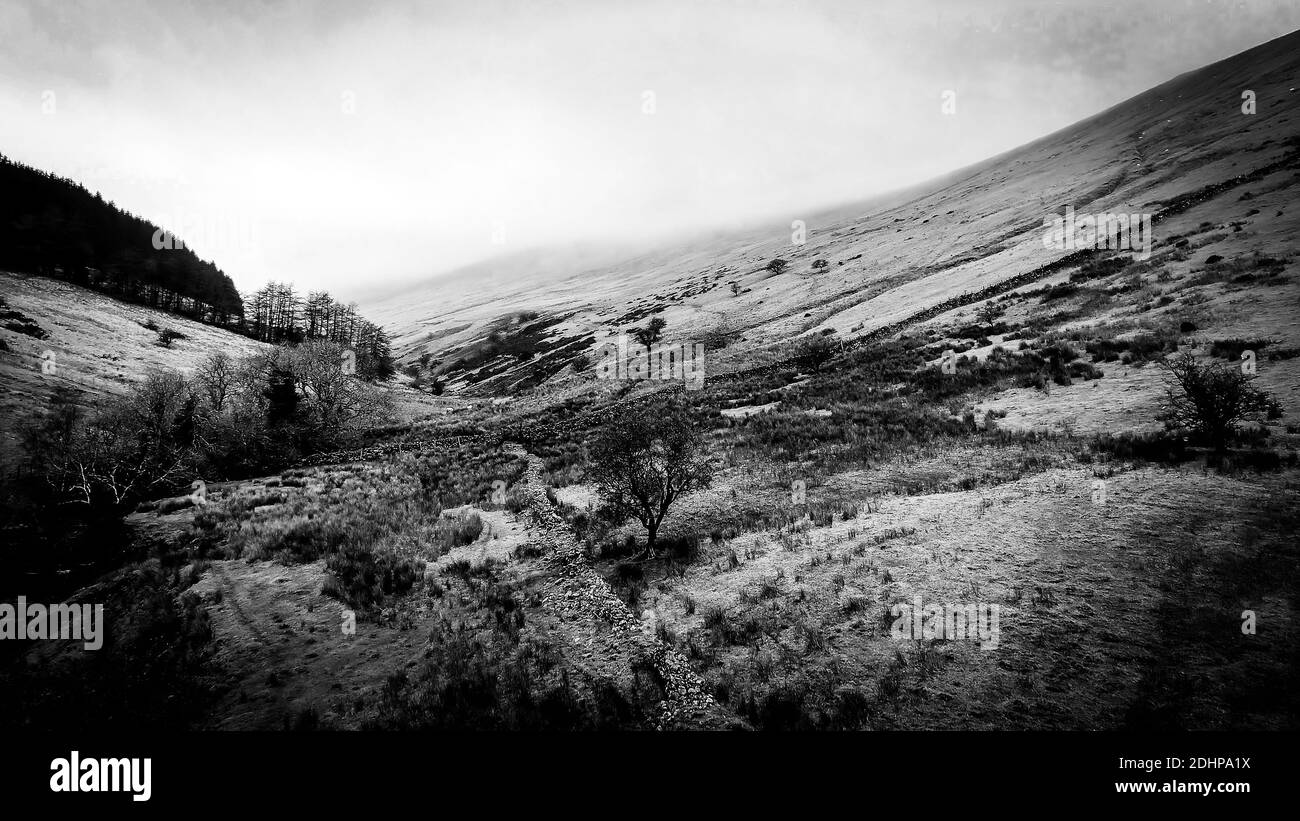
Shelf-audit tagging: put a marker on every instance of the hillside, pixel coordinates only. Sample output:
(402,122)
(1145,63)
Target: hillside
(970,231)
(100,345)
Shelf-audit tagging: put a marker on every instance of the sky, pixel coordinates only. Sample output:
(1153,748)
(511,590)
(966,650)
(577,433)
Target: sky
(351,145)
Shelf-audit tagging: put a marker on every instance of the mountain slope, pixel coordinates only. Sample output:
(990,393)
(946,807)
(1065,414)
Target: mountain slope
(971,230)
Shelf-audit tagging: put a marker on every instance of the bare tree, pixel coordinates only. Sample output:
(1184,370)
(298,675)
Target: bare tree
(216,378)
(645,460)
(337,399)
(136,445)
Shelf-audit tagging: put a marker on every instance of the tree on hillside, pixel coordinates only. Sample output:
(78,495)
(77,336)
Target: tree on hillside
(276,314)
(644,461)
(989,311)
(374,353)
(215,376)
(315,312)
(1209,400)
(333,399)
(651,333)
(815,352)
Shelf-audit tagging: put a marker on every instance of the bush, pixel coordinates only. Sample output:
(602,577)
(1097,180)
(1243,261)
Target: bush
(136,447)
(1209,400)
(681,548)
(815,352)
(1231,349)
(1132,351)
(463,530)
(1152,447)
(1100,268)
(364,579)
(468,682)
(168,335)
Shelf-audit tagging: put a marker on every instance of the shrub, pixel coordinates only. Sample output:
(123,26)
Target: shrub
(1100,268)
(1209,400)
(683,548)
(463,530)
(495,682)
(363,578)
(168,335)
(1152,447)
(1231,349)
(1132,351)
(815,352)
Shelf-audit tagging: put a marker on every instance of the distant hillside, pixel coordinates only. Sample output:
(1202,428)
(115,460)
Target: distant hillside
(1184,152)
(55,227)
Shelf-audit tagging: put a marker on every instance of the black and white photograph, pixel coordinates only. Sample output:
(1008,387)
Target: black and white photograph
(609,376)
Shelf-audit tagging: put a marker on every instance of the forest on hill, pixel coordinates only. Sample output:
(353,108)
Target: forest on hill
(53,226)
(276,314)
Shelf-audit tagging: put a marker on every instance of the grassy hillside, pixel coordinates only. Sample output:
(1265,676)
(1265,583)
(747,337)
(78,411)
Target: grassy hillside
(1183,151)
(100,345)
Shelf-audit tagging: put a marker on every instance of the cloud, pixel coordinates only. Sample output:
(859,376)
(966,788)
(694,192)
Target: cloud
(371,143)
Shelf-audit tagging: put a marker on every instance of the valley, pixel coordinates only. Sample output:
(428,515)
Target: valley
(921,401)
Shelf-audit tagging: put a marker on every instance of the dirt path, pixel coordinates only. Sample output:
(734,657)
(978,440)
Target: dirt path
(281,643)
(575,592)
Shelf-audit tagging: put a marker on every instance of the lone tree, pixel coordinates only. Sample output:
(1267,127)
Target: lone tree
(988,312)
(651,333)
(1209,399)
(815,352)
(643,462)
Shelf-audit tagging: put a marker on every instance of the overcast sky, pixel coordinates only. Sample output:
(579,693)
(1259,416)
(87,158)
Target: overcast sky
(345,144)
